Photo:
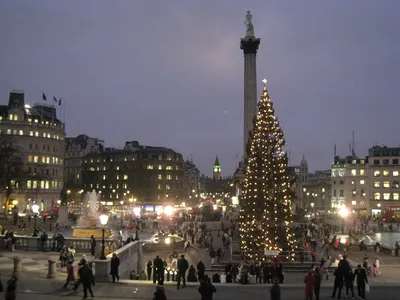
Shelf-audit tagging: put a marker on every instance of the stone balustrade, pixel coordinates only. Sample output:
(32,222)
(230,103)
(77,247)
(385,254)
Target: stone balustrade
(29,243)
(131,259)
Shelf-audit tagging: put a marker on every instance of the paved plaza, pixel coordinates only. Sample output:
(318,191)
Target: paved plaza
(52,289)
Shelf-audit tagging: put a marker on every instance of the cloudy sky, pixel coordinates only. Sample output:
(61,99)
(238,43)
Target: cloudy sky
(170,73)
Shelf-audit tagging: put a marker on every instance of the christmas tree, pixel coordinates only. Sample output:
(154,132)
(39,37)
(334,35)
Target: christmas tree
(265,214)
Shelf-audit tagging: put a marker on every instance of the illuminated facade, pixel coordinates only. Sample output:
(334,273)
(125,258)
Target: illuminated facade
(143,174)
(40,138)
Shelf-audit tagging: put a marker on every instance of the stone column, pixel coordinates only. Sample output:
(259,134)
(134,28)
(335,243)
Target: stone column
(63,216)
(249,45)
(140,257)
(102,270)
(17,267)
(52,269)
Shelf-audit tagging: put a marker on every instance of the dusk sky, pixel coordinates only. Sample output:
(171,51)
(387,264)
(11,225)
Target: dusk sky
(170,73)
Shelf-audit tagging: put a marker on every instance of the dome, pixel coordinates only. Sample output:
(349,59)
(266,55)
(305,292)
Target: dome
(303,162)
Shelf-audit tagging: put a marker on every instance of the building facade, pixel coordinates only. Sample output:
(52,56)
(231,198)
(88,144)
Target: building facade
(316,192)
(192,181)
(147,175)
(75,150)
(384,178)
(39,136)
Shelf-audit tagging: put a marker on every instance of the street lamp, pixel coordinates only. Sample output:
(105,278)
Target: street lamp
(103,221)
(344,212)
(312,207)
(35,210)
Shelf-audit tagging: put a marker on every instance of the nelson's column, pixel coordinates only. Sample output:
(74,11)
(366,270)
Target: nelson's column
(249,44)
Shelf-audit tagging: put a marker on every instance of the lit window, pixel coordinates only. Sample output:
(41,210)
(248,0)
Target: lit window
(354,172)
(42,184)
(377,173)
(395,196)
(377,196)
(362,182)
(352,182)
(395,173)
(21,132)
(36,159)
(117,168)
(386,184)
(104,177)
(159,186)
(11,117)
(47,159)
(176,168)
(176,177)
(43,159)
(9,131)
(30,158)
(149,167)
(377,184)
(386,173)
(125,177)
(168,187)
(169,176)
(169,158)
(47,185)
(362,172)
(395,184)
(353,202)
(31,133)
(36,133)
(386,196)
(160,167)
(159,176)
(117,177)
(169,168)
(78,176)
(362,202)
(29,184)
(323,190)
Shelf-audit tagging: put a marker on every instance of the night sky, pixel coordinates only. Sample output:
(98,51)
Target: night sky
(170,73)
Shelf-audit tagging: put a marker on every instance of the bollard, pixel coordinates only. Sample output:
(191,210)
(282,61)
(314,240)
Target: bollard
(168,275)
(52,269)
(17,267)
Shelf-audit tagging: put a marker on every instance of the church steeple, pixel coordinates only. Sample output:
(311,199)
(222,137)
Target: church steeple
(217,169)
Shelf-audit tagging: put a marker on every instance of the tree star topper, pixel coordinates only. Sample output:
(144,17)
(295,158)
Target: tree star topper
(265,81)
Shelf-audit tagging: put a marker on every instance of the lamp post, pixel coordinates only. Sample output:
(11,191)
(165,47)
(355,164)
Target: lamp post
(35,210)
(344,212)
(312,208)
(103,221)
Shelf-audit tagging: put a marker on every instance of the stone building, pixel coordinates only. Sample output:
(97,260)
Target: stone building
(39,135)
(192,181)
(151,176)
(76,148)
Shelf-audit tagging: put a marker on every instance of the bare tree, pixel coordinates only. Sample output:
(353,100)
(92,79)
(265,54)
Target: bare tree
(11,169)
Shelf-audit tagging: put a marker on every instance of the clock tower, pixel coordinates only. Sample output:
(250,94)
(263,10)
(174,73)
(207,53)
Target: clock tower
(217,169)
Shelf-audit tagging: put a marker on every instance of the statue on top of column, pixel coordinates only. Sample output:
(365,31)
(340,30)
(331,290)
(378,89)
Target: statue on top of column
(249,25)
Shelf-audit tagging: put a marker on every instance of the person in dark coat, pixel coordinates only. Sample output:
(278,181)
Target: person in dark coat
(362,280)
(200,270)
(159,294)
(192,275)
(183,265)
(317,282)
(92,245)
(11,289)
(149,269)
(114,267)
(206,289)
(338,283)
(349,282)
(275,291)
(158,270)
(87,280)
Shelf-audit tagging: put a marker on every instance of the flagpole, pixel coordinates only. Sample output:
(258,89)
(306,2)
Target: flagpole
(64,114)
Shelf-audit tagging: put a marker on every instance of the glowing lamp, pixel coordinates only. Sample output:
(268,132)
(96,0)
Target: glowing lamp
(103,219)
(344,212)
(168,241)
(35,208)
(169,210)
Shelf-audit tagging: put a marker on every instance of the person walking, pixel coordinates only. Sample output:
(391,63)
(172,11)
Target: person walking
(183,265)
(309,281)
(114,267)
(87,280)
(70,274)
(362,280)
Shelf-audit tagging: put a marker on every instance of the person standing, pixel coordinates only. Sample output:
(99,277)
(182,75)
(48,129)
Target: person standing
(275,290)
(114,267)
(317,283)
(362,280)
(159,294)
(338,283)
(349,282)
(92,245)
(87,279)
(149,269)
(200,270)
(11,288)
(207,289)
(309,281)
(183,265)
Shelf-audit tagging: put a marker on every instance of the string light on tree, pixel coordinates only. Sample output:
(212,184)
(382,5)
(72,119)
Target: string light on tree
(265,214)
